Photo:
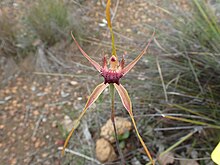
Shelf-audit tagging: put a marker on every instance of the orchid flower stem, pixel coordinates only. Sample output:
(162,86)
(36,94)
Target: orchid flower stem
(112,93)
(113,43)
(108,18)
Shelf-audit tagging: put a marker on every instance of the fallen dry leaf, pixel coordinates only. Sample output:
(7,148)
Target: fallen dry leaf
(188,162)
(167,158)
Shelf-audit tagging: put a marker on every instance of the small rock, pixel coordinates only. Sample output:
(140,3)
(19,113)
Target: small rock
(25,87)
(14,102)
(79,98)
(2,126)
(2,102)
(104,151)
(8,98)
(41,94)
(73,83)
(33,139)
(7,91)
(122,126)
(44,155)
(13,161)
(36,113)
(14,90)
(33,88)
(44,119)
(63,94)
(37,144)
(15,4)
(19,105)
(102,24)
(47,90)
(54,124)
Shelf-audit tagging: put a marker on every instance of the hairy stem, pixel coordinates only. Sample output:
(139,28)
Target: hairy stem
(112,93)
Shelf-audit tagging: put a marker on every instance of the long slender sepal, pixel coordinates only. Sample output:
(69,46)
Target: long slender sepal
(126,101)
(92,98)
(94,63)
(141,140)
(124,97)
(108,18)
(131,65)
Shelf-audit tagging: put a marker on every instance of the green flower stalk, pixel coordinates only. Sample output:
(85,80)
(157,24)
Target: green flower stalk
(112,75)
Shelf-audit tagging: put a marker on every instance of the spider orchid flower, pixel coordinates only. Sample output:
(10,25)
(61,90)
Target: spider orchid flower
(112,75)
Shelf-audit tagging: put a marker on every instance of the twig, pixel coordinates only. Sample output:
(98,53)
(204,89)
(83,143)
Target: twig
(27,111)
(194,73)
(162,80)
(116,8)
(80,155)
(176,128)
(159,45)
(60,74)
(37,124)
(56,60)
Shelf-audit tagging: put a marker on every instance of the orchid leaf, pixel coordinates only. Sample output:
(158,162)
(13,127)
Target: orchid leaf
(92,98)
(94,63)
(131,65)
(126,101)
(108,18)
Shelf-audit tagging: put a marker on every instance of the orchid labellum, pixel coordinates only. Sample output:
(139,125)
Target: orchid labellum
(112,75)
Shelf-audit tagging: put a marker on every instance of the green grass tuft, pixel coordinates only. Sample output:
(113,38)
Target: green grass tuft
(188,72)
(50,21)
(7,35)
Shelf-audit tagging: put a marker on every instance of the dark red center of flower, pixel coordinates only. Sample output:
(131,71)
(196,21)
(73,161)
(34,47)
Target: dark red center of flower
(113,59)
(111,76)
